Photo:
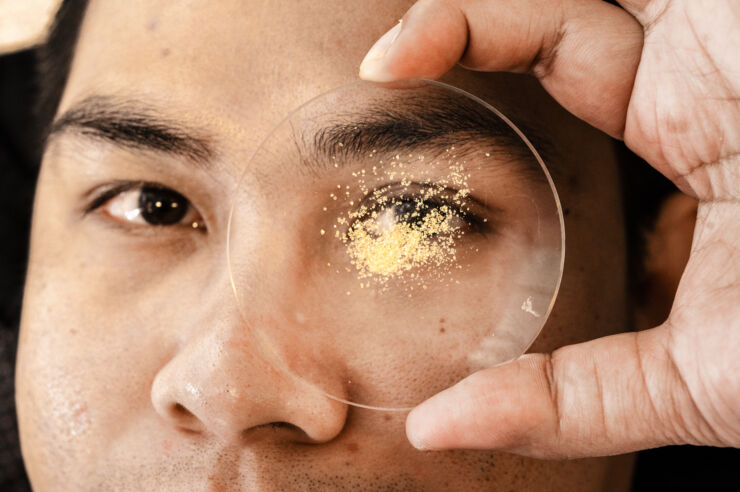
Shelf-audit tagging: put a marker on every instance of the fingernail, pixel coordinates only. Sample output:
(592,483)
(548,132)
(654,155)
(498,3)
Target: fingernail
(415,437)
(373,66)
(419,423)
(417,442)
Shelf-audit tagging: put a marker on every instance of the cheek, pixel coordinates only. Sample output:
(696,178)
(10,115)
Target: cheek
(396,342)
(86,361)
(593,297)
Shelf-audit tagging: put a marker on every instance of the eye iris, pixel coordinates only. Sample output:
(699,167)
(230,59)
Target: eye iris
(410,211)
(420,214)
(162,206)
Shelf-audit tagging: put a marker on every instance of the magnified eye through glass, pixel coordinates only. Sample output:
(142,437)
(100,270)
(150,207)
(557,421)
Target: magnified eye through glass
(424,242)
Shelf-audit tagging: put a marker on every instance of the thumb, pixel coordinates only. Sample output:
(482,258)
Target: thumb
(608,396)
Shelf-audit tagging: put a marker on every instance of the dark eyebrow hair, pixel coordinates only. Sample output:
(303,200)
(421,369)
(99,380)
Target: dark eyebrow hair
(434,121)
(133,125)
(438,122)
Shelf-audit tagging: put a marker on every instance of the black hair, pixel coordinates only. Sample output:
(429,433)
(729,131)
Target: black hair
(54,59)
(644,188)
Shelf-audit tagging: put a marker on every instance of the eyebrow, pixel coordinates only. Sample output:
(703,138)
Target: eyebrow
(130,124)
(435,122)
(416,122)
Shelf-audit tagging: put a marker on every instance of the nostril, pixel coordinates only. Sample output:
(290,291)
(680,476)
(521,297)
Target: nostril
(282,425)
(289,430)
(179,411)
(184,418)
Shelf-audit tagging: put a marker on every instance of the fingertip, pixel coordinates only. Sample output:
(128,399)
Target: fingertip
(417,425)
(483,411)
(432,424)
(427,42)
(374,66)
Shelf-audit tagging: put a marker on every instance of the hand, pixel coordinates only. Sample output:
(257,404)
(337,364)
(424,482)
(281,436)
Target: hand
(665,76)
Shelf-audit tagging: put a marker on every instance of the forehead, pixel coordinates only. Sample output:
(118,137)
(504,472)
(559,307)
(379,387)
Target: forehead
(255,59)
(238,67)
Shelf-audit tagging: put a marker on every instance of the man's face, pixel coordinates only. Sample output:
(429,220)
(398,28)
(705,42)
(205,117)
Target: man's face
(137,368)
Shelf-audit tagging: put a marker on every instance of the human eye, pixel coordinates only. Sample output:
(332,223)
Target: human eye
(428,211)
(409,226)
(138,204)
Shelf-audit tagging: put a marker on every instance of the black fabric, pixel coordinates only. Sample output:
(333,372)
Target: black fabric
(12,474)
(18,168)
(678,468)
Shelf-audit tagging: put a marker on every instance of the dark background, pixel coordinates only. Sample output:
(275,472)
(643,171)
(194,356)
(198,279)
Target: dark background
(670,468)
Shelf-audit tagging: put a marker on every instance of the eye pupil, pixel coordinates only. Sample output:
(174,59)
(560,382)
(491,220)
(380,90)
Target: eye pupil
(410,211)
(405,207)
(162,206)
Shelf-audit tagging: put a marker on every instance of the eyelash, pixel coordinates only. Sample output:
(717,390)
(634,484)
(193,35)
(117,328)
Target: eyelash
(170,201)
(461,209)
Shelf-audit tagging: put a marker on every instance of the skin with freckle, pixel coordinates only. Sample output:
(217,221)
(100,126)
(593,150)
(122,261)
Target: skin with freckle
(136,369)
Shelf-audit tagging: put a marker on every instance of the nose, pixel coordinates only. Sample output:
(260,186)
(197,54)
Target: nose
(219,384)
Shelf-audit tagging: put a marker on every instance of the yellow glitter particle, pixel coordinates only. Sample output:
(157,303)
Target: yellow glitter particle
(385,250)
(323,232)
(406,231)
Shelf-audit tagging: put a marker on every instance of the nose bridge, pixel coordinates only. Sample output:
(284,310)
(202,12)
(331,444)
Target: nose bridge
(221,383)
(269,252)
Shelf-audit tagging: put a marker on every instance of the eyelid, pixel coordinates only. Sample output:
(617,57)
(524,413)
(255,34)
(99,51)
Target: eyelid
(102,195)
(413,190)
(472,210)
(108,193)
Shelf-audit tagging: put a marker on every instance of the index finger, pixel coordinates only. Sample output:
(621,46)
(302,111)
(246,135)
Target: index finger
(584,52)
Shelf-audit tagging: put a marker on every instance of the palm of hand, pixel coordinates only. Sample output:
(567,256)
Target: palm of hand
(684,118)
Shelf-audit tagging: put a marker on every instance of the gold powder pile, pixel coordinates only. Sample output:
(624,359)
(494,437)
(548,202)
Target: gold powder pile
(402,230)
(400,246)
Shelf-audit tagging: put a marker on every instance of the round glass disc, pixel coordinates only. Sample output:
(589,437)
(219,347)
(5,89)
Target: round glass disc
(414,236)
